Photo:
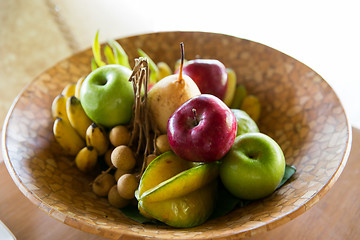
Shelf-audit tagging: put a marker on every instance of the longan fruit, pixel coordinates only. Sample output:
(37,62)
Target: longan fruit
(102,184)
(119,135)
(123,158)
(107,157)
(150,158)
(162,143)
(115,199)
(127,185)
(118,173)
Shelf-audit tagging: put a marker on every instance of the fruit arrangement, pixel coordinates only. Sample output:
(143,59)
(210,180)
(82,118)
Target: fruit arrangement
(176,144)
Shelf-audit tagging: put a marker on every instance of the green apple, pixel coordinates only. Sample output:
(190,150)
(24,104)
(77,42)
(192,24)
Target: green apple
(107,96)
(245,124)
(254,166)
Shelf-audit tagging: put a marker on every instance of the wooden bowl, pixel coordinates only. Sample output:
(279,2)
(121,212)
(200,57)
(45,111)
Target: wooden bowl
(299,110)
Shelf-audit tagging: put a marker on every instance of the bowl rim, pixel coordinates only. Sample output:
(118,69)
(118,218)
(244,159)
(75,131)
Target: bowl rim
(75,222)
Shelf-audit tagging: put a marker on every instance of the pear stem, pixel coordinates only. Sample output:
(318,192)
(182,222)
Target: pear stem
(182,60)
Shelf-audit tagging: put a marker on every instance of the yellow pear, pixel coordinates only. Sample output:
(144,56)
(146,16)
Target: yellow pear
(168,94)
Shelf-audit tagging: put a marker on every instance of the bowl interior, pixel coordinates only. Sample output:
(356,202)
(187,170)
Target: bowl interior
(299,110)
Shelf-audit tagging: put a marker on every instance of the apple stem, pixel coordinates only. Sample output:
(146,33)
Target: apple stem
(196,122)
(182,60)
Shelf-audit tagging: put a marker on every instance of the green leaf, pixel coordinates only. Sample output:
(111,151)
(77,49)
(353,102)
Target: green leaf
(109,55)
(225,203)
(120,55)
(289,171)
(96,49)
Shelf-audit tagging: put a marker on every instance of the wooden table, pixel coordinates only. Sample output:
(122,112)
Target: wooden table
(336,216)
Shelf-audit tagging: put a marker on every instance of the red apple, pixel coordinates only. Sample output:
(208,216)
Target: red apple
(203,129)
(209,75)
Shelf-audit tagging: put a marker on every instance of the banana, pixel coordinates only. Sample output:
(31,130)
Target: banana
(69,90)
(58,107)
(164,70)
(86,159)
(240,94)
(231,87)
(97,137)
(251,105)
(77,116)
(78,87)
(67,137)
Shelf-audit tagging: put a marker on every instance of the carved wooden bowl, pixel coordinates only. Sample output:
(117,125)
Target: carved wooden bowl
(299,110)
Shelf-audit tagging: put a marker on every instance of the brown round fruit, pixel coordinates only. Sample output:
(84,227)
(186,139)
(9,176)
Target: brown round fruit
(150,158)
(119,135)
(123,158)
(115,199)
(102,184)
(162,143)
(126,186)
(107,157)
(118,173)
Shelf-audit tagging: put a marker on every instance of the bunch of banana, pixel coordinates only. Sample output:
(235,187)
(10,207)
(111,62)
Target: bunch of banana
(67,137)
(78,87)
(77,116)
(231,86)
(86,159)
(97,137)
(236,97)
(69,90)
(97,144)
(70,119)
(58,108)
(74,130)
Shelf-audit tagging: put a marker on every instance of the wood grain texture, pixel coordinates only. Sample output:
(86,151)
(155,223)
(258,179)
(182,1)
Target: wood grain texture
(300,111)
